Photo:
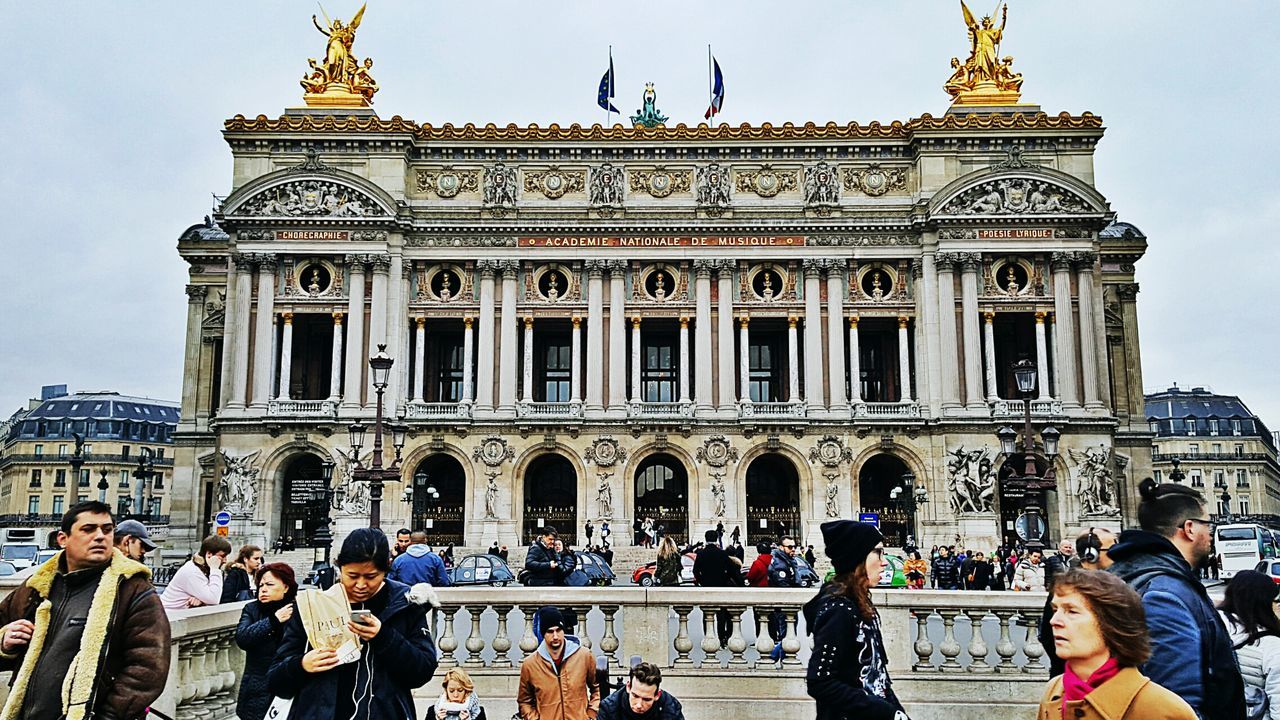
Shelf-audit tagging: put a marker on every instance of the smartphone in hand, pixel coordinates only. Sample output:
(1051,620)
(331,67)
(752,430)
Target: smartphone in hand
(361,616)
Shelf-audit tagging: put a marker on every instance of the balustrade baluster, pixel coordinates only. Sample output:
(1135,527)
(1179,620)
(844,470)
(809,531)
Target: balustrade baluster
(186,680)
(227,678)
(710,637)
(923,646)
(501,642)
(737,642)
(791,643)
(528,643)
(1004,646)
(977,644)
(583,636)
(950,646)
(609,642)
(1031,647)
(764,643)
(448,643)
(204,681)
(683,642)
(475,642)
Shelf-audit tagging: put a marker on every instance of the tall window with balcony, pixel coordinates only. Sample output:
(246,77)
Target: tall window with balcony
(1015,340)
(33,505)
(553,366)
(60,478)
(443,358)
(35,478)
(660,358)
(57,504)
(767,366)
(310,357)
(1242,478)
(878,360)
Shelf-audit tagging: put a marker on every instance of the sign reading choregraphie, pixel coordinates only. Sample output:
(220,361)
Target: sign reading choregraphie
(644,241)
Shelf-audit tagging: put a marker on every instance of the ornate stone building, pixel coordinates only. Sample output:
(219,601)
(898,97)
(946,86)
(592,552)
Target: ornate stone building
(757,326)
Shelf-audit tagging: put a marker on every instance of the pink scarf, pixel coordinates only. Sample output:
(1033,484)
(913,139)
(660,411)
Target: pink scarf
(1073,688)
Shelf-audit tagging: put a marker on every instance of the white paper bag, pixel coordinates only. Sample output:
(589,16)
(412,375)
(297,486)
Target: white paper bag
(279,709)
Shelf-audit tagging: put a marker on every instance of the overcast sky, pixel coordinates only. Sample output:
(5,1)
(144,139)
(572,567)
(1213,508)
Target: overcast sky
(112,138)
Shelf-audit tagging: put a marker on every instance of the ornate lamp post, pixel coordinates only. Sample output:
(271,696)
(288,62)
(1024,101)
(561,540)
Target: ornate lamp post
(1176,474)
(103,485)
(910,497)
(376,475)
(1030,480)
(145,470)
(1227,518)
(323,538)
(77,460)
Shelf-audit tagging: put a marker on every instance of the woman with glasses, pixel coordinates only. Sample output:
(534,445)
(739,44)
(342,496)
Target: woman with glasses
(1248,609)
(848,672)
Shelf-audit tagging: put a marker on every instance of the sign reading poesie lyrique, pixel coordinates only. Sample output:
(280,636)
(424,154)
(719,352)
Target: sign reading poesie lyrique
(1016,234)
(641,241)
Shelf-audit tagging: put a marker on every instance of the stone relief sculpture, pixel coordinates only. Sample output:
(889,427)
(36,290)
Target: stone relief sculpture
(605,186)
(604,495)
(716,452)
(718,503)
(1095,486)
(1015,195)
(713,187)
(821,185)
(605,452)
(830,451)
(833,494)
(971,481)
(238,487)
(353,494)
(491,496)
(310,198)
(500,187)
(493,451)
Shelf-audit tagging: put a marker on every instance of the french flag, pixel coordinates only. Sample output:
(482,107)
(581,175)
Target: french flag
(717,91)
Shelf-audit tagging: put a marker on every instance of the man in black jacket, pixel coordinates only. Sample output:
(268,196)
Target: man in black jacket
(542,564)
(641,698)
(946,571)
(712,567)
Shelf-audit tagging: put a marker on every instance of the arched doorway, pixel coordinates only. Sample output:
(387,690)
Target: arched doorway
(440,499)
(662,493)
(303,510)
(876,482)
(551,497)
(773,499)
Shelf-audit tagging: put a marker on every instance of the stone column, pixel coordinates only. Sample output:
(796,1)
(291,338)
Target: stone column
(855,362)
(1042,359)
(702,334)
(264,332)
(398,333)
(528,359)
(617,338)
(924,392)
(636,395)
(191,358)
(468,358)
(508,357)
(1133,401)
(352,388)
(575,373)
(335,363)
(234,330)
(595,337)
(420,357)
(904,357)
(244,306)
(1089,356)
(972,332)
(744,359)
(932,346)
(1064,340)
(813,393)
(484,342)
(378,319)
(793,359)
(989,351)
(724,323)
(835,335)
(949,359)
(684,359)
(286,356)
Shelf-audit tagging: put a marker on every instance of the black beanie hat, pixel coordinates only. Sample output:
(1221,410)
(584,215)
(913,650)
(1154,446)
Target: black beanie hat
(849,543)
(549,616)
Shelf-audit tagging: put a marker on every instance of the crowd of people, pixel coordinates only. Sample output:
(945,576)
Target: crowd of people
(1129,628)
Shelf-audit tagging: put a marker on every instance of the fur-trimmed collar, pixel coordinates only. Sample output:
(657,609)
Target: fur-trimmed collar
(42,579)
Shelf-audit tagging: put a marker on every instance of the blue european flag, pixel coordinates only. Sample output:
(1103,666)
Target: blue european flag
(607,89)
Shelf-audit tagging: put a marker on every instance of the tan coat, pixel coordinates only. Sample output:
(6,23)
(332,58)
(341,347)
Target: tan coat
(1130,695)
(573,694)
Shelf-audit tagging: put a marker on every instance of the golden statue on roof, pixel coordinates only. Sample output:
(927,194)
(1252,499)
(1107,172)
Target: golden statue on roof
(341,80)
(985,78)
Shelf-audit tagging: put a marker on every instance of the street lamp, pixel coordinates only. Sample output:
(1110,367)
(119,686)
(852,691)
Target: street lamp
(1176,474)
(145,470)
(376,475)
(909,496)
(1226,507)
(323,538)
(1030,480)
(102,486)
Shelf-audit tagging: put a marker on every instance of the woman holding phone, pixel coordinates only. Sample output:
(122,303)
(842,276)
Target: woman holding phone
(397,653)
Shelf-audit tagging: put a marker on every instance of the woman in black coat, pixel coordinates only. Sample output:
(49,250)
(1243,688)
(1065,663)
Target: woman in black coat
(259,634)
(397,653)
(848,672)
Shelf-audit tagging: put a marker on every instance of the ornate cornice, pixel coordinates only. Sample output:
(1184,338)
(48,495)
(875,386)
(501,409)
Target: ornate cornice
(765,131)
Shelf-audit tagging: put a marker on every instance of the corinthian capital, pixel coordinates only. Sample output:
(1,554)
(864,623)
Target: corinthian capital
(835,266)
(509,268)
(704,267)
(1061,261)
(1127,291)
(197,293)
(725,267)
(381,263)
(243,261)
(595,267)
(813,266)
(617,268)
(1085,258)
(487,267)
(946,261)
(969,261)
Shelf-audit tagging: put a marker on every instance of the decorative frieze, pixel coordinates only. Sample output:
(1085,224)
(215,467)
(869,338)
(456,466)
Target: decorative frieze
(555,183)
(1019,196)
(766,182)
(713,188)
(500,184)
(605,187)
(310,198)
(460,241)
(660,182)
(821,187)
(875,180)
(863,240)
(446,182)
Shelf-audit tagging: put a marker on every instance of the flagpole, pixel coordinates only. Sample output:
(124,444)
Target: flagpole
(711,85)
(608,114)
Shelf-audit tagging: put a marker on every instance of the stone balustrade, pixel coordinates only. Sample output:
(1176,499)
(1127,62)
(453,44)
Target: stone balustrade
(303,408)
(797,410)
(940,666)
(886,410)
(416,410)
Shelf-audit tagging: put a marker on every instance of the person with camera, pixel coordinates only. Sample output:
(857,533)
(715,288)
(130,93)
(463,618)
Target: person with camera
(542,563)
(396,653)
(641,698)
(458,701)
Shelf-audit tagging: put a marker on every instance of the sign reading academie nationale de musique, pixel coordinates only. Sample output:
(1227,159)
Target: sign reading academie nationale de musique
(642,241)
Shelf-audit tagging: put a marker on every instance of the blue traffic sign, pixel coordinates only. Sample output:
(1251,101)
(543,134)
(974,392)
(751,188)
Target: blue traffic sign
(222,519)
(869,518)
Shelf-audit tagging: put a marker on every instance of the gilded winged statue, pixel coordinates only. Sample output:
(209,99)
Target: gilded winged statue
(985,73)
(341,74)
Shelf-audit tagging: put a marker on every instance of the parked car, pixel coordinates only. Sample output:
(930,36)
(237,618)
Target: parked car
(7,569)
(45,556)
(806,576)
(644,575)
(1270,568)
(481,570)
(890,576)
(22,555)
(597,570)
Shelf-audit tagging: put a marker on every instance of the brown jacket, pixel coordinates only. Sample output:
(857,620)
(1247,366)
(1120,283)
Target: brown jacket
(572,694)
(1130,695)
(123,660)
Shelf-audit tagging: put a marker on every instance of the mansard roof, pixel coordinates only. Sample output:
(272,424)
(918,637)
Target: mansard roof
(106,406)
(207,231)
(1194,403)
(1124,230)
